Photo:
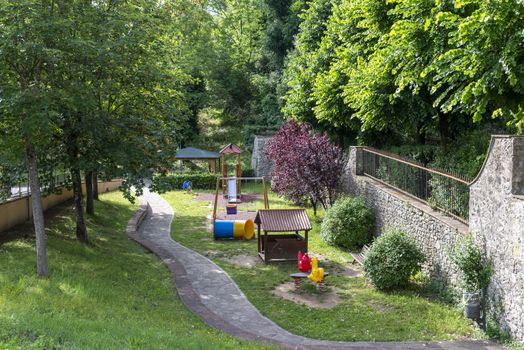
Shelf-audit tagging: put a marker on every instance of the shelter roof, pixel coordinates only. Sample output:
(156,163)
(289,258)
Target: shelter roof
(196,153)
(283,220)
(231,148)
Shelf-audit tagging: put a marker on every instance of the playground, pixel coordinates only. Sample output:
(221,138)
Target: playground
(349,309)
(272,250)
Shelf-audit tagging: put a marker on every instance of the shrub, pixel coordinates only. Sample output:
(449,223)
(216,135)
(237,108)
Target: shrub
(348,223)
(248,172)
(392,260)
(200,181)
(476,272)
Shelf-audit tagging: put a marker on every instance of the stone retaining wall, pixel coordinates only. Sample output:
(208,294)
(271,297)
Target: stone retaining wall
(496,220)
(259,162)
(434,231)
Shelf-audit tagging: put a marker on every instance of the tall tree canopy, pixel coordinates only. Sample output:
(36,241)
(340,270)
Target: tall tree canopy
(407,67)
(89,87)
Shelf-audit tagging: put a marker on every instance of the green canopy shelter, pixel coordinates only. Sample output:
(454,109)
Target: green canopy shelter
(192,153)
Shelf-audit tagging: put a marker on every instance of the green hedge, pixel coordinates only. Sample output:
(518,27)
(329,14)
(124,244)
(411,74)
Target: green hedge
(392,260)
(172,182)
(348,224)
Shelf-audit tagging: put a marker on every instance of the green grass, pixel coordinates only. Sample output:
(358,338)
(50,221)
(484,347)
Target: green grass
(111,294)
(364,314)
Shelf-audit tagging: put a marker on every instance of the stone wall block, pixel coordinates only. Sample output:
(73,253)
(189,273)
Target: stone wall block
(518,166)
(497,221)
(259,162)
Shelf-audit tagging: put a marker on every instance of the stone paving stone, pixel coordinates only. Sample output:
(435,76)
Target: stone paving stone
(208,291)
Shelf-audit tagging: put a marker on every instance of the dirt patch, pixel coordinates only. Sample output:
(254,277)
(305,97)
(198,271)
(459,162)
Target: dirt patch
(322,300)
(249,261)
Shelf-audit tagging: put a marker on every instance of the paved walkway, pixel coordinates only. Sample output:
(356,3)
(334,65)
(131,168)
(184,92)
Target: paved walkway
(209,292)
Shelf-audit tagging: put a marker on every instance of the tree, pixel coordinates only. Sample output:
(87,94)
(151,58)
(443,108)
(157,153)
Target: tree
(306,165)
(102,90)
(26,116)
(408,69)
(306,61)
(480,71)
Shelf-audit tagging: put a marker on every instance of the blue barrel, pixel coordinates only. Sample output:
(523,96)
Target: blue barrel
(224,228)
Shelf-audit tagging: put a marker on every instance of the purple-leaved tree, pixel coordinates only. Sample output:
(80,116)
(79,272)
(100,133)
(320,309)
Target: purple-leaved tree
(306,165)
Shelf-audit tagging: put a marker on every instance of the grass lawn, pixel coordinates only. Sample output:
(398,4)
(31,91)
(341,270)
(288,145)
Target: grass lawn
(364,314)
(108,295)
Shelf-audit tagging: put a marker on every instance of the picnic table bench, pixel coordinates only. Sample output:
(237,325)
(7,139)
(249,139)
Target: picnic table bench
(360,257)
(298,276)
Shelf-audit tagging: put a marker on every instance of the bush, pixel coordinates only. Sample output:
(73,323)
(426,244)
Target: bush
(200,181)
(392,260)
(248,172)
(348,223)
(476,271)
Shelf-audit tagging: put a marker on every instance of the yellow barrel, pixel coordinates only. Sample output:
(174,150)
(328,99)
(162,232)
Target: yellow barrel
(238,228)
(249,230)
(243,229)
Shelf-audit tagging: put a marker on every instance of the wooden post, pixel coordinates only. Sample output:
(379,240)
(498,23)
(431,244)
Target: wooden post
(238,171)
(266,252)
(212,165)
(264,189)
(238,174)
(306,239)
(215,209)
(224,173)
(258,236)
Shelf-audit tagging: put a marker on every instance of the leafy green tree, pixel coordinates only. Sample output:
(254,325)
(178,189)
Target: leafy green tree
(25,109)
(407,68)
(480,72)
(101,89)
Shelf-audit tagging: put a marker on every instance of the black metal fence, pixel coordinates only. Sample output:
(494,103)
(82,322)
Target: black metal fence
(21,187)
(444,190)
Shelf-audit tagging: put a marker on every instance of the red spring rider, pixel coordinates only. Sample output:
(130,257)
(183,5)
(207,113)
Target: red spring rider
(304,262)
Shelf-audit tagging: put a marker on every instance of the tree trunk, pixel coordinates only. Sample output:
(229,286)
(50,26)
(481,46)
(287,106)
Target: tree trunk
(38,211)
(443,126)
(314,204)
(90,206)
(421,134)
(95,185)
(81,230)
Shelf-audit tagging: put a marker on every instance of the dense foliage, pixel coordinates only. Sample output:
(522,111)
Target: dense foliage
(392,260)
(94,88)
(173,182)
(475,270)
(306,165)
(411,70)
(348,223)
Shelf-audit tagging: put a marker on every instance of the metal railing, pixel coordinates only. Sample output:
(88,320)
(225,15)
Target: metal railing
(440,189)
(21,187)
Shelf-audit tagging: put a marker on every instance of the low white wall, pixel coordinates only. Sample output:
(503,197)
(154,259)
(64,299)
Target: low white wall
(17,211)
